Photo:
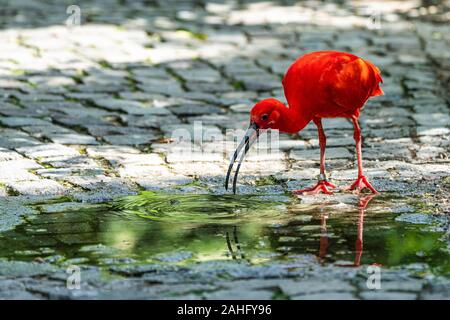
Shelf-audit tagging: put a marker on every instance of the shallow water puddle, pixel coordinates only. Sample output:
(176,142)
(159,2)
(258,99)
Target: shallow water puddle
(171,228)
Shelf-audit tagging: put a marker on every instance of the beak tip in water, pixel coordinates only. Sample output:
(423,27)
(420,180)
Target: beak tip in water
(249,138)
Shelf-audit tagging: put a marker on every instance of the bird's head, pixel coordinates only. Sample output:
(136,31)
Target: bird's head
(266,113)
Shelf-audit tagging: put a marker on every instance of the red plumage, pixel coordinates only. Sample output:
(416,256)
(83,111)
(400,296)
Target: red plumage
(323,84)
(329,84)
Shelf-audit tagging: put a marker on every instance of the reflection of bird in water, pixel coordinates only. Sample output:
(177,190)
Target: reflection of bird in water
(363,202)
(238,254)
(323,238)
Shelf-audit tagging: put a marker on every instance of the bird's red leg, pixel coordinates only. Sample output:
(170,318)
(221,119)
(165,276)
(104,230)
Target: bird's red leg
(361,182)
(322,184)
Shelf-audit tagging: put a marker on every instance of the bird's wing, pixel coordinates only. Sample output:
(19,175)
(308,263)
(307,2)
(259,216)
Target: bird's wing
(301,77)
(323,79)
(349,83)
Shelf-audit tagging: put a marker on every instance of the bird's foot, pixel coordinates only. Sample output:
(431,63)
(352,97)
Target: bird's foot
(360,184)
(321,186)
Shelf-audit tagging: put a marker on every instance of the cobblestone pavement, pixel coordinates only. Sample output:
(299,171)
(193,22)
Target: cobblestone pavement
(89,112)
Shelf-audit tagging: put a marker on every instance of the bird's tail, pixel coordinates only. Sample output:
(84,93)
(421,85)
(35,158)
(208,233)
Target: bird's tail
(377,91)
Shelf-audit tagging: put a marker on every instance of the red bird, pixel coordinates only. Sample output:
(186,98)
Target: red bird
(323,84)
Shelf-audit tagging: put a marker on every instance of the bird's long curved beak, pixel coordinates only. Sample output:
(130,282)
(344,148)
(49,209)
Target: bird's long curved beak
(251,135)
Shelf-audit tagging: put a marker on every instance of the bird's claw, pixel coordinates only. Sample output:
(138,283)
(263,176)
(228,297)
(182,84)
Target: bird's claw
(360,184)
(320,187)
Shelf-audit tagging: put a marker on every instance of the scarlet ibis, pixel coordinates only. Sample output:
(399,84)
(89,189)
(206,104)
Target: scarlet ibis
(322,84)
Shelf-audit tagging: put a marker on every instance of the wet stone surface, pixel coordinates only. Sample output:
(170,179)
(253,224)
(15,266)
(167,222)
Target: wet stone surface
(86,129)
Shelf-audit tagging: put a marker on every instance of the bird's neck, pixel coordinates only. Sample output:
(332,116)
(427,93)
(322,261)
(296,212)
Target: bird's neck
(292,121)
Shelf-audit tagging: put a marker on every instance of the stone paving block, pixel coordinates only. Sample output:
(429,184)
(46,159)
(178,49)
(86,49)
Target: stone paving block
(431,153)
(261,154)
(264,167)
(12,175)
(138,171)
(206,75)
(47,150)
(79,110)
(337,123)
(37,187)
(80,121)
(186,155)
(293,288)
(110,151)
(398,286)
(19,268)
(162,86)
(131,107)
(57,290)
(298,174)
(387,152)
(432,131)
(435,296)
(345,141)
(104,130)
(377,295)
(287,144)
(240,294)
(63,207)
(136,159)
(314,154)
(43,131)
(102,195)
(62,173)
(162,181)
(21,113)
(432,120)
(130,139)
(75,161)
(371,173)
(20,163)
(12,212)
(97,182)
(25,121)
(15,294)
(193,168)
(72,138)
(196,133)
(149,121)
(326,296)
(195,109)
(11,139)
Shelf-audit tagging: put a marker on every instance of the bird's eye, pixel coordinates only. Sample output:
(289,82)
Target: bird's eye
(265,117)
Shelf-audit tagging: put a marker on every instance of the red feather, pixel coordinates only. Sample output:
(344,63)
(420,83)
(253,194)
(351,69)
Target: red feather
(324,84)
(328,84)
